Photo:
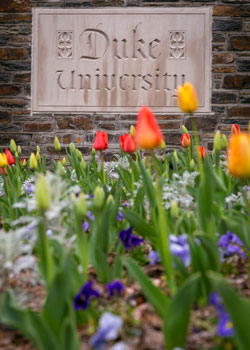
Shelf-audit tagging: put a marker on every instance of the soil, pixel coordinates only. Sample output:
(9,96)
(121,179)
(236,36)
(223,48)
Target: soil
(142,327)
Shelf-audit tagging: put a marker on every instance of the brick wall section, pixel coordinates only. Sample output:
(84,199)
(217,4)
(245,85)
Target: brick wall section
(230,80)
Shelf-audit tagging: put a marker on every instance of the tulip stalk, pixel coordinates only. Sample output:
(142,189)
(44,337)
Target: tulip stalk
(82,248)
(103,175)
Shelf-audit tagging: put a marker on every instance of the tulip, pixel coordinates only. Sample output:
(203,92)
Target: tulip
(217,141)
(24,162)
(187,98)
(81,206)
(9,156)
(3,160)
(101,141)
(184,129)
(235,130)
(147,132)
(185,140)
(19,151)
(57,144)
(99,197)
(224,141)
(64,162)
(202,152)
(33,161)
(127,143)
(42,194)
(132,130)
(13,146)
(238,155)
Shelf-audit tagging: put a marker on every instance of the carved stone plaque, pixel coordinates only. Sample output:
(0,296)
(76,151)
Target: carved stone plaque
(116,59)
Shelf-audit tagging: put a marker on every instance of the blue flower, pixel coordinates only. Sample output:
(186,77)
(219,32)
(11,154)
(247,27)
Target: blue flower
(109,325)
(230,244)
(81,300)
(224,326)
(115,288)
(179,247)
(129,240)
(120,216)
(30,189)
(154,257)
(85,225)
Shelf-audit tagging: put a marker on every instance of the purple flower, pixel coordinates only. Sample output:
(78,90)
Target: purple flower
(49,232)
(81,300)
(30,189)
(120,216)
(224,326)
(129,240)
(230,244)
(154,257)
(85,225)
(179,247)
(115,288)
(109,326)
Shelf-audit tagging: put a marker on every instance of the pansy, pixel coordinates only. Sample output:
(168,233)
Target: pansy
(224,326)
(130,240)
(109,326)
(154,257)
(179,247)
(115,288)
(230,244)
(82,299)
(120,216)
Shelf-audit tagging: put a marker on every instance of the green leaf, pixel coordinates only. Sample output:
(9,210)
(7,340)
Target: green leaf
(155,296)
(147,180)
(176,315)
(237,307)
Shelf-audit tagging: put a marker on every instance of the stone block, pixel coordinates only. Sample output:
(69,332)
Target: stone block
(236,82)
(243,65)
(10,89)
(232,11)
(12,54)
(223,58)
(74,123)
(35,127)
(224,97)
(239,111)
(227,24)
(239,43)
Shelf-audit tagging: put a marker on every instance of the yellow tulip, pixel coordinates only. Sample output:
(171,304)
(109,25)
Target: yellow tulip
(187,98)
(238,155)
(3,160)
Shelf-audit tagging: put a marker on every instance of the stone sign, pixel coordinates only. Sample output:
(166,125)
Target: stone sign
(116,60)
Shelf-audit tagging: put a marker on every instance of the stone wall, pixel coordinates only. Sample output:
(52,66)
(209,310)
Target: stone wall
(230,80)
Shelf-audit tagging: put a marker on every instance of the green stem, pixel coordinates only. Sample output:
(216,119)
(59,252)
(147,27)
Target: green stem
(102,168)
(46,260)
(82,248)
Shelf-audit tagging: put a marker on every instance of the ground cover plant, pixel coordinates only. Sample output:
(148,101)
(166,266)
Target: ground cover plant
(174,225)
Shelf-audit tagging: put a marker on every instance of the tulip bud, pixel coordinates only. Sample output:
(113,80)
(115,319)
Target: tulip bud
(57,144)
(72,147)
(132,130)
(83,164)
(24,162)
(64,162)
(99,197)
(81,206)
(185,140)
(174,210)
(38,157)
(184,129)
(235,130)
(93,152)
(217,141)
(38,149)
(42,194)
(16,155)
(33,161)
(192,165)
(19,151)
(110,200)
(175,155)
(224,141)
(12,146)
(78,154)
(202,152)
(3,160)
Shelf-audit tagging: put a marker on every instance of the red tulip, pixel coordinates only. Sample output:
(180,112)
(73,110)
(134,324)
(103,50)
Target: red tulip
(235,130)
(101,141)
(202,152)
(127,143)
(185,140)
(147,132)
(9,156)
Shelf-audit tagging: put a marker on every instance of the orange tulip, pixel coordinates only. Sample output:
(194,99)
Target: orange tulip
(9,156)
(235,130)
(101,141)
(147,132)
(238,155)
(187,98)
(127,143)
(185,140)
(202,152)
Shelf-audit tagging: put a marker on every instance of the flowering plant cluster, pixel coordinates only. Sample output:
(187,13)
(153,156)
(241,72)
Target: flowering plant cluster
(91,231)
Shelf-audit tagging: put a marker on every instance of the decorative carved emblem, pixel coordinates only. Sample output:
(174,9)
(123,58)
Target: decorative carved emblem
(177,44)
(64,44)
